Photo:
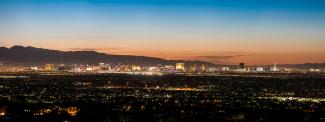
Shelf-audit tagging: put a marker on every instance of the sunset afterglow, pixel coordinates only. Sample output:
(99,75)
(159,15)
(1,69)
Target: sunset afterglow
(219,31)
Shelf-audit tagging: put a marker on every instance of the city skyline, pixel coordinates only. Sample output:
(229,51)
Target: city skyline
(218,31)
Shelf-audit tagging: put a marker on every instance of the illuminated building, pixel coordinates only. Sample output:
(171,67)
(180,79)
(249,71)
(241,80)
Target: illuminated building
(49,67)
(193,67)
(241,67)
(102,65)
(89,69)
(180,66)
(109,67)
(3,111)
(225,68)
(259,69)
(153,69)
(72,111)
(126,68)
(96,68)
(167,68)
(203,67)
(274,68)
(136,67)
(314,70)
(34,68)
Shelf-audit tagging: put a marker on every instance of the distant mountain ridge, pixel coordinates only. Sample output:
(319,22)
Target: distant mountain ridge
(32,55)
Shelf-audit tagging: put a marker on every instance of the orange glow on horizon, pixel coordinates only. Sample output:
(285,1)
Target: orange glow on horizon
(215,56)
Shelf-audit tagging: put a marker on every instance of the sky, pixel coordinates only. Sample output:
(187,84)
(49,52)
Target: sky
(220,31)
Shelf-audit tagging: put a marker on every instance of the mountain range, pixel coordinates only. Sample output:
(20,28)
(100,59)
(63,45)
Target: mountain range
(33,55)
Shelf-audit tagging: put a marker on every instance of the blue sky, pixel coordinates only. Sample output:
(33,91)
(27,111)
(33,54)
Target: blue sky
(169,28)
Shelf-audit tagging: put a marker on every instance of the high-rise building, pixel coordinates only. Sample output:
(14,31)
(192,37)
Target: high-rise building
(193,67)
(180,66)
(136,67)
(242,65)
(49,67)
(274,68)
(203,67)
(109,67)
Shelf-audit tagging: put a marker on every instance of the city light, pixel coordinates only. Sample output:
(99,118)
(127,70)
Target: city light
(162,60)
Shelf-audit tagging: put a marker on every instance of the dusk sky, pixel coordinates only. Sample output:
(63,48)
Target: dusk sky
(219,31)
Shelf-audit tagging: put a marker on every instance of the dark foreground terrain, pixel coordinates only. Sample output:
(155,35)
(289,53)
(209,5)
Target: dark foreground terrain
(169,98)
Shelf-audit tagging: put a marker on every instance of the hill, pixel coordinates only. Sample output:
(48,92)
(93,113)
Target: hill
(33,55)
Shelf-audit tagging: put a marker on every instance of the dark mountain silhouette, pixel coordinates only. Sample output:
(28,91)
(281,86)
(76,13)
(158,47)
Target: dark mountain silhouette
(32,55)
